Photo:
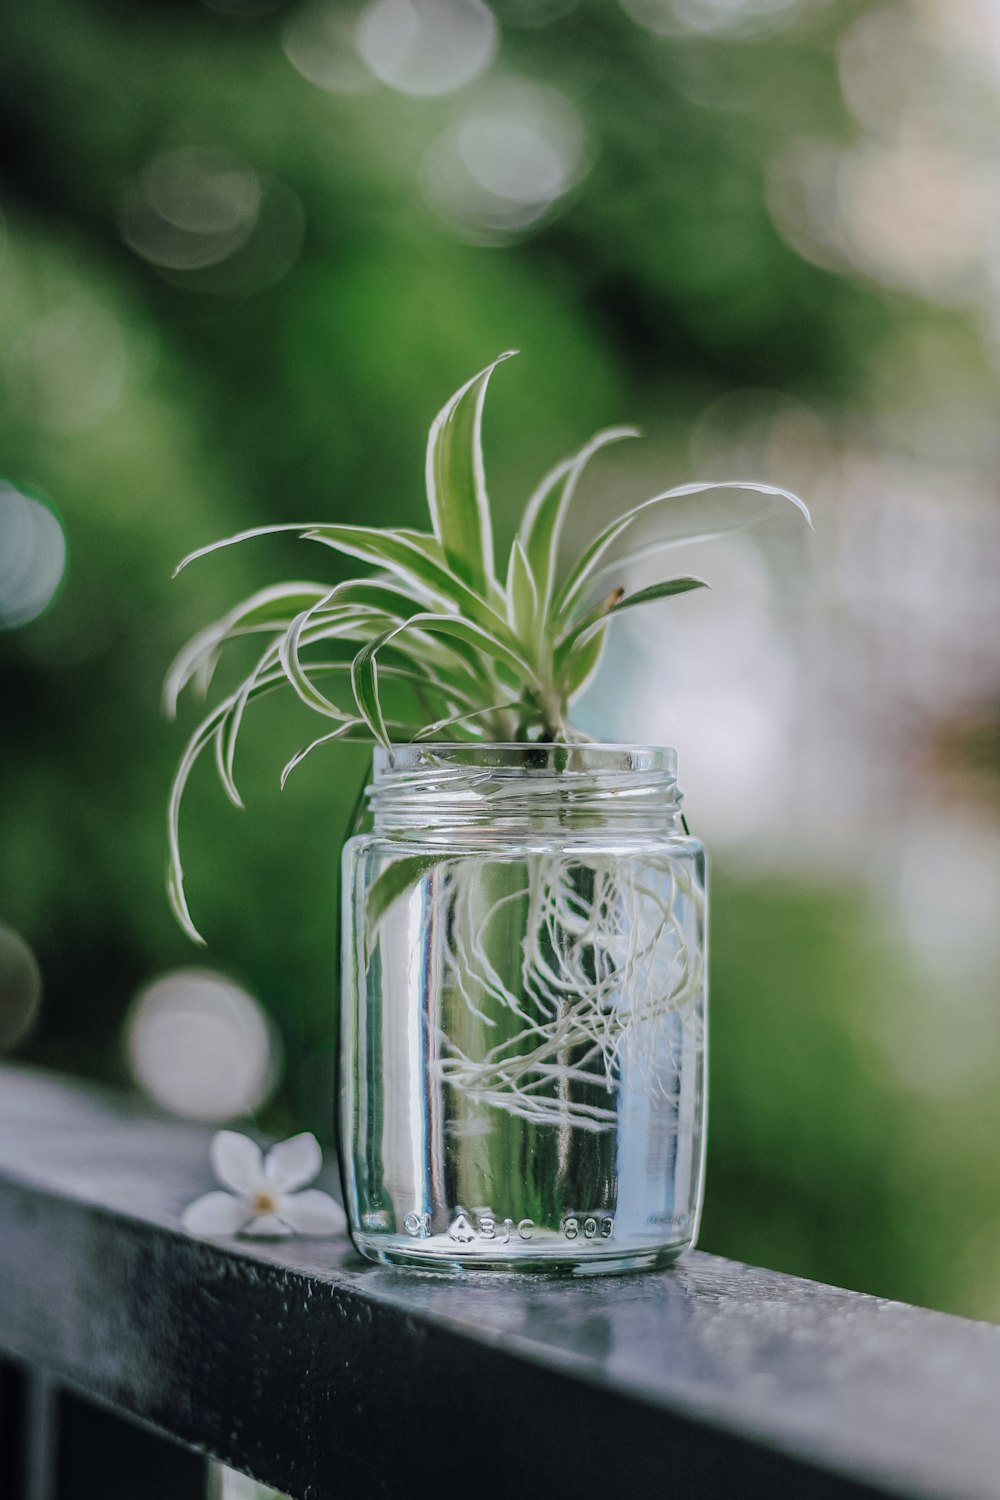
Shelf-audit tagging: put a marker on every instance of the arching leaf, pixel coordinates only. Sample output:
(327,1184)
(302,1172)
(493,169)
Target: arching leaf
(545,514)
(678,523)
(456,483)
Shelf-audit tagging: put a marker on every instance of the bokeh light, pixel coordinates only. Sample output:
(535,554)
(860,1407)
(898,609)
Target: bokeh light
(531,13)
(267,255)
(192,207)
(211,223)
(883,60)
(427,47)
(32,557)
(914,216)
(68,368)
(320,41)
(724,689)
(201,1046)
(949,894)
(723,17)
(770,434)
(20,988)
(503,165)
(910,202)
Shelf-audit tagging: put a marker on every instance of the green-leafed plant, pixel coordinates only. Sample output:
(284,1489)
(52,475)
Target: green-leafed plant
(434,643)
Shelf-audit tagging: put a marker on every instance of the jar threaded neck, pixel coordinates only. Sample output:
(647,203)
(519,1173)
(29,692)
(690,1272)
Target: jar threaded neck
(507,785)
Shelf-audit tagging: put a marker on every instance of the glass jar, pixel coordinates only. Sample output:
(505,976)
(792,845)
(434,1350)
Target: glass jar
(523,1011)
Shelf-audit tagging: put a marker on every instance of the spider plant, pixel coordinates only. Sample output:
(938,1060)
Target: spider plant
(435,642)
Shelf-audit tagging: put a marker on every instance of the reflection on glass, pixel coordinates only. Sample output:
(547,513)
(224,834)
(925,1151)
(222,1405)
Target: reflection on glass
(68,368)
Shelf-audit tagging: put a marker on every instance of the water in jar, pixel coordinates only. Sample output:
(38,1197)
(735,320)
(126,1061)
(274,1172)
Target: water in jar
(523,1053)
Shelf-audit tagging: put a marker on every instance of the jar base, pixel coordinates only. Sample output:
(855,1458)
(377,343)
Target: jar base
(551,1260)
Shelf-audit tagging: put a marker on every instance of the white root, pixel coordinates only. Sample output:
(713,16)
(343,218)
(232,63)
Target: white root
(598,968)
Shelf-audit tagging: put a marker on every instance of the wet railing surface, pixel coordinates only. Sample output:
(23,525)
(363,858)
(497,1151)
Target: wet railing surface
(128,1350)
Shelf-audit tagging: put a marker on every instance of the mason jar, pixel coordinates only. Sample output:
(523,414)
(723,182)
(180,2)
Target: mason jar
(523,1010)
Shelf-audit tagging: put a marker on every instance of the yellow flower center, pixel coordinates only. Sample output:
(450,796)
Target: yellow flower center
(264,1203)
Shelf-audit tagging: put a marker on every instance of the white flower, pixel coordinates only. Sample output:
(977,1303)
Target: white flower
(265,1199)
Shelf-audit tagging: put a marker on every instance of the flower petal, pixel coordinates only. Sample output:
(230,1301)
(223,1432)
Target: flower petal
(216,1213)
(313,1212)
(292,1163)
(236,1162)
(267,1227)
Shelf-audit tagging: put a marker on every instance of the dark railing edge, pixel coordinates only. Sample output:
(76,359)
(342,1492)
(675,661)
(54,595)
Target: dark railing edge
(150,1319)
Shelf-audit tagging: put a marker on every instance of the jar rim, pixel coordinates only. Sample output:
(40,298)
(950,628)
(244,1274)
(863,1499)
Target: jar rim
(464,783)
(528,757)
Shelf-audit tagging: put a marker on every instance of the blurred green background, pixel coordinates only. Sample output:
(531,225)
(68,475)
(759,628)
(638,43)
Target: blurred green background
(248,249)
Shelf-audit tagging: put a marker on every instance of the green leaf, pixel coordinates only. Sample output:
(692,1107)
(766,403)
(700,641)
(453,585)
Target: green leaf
(598,617)
(269,609)
(351,626)
(240,536)
(354,729)
(665,590)
(395,881)
(456,483)
(291,661)
(450,671)
(386,595)
(413,556)
(680,524)
(403,555)
(198,742)
(378,603)
(210,731)
(364,681)
(579,653)
(341,732)
(522,598)
(545,514)
(579,668)
(430,548)
(365,669)
(348,625)
(431,731)
(446,664)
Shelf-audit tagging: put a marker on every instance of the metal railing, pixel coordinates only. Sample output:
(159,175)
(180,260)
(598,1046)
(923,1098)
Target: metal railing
(130,1352)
